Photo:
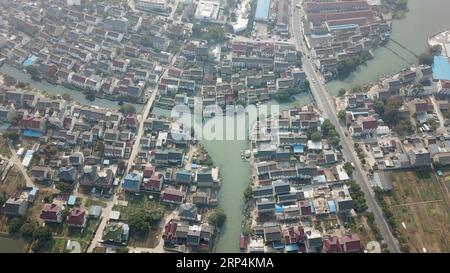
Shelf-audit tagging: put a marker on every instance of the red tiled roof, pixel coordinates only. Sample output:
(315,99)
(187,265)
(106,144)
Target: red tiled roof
(76,217)
(50,212)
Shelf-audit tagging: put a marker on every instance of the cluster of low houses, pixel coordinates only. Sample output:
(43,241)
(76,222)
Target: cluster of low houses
(247,72)
(99,49)
(74,130)
(420,149)
(186,232)
(52,212)
(298,181)
(342,30)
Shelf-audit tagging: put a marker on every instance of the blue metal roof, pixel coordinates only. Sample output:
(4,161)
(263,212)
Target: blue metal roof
(291,247)
(299,148)
(71,200)
(31,60)
(278,245)
(339,27)
(262,10)
(332,206)
(279,208)
(441,68)
(31,133)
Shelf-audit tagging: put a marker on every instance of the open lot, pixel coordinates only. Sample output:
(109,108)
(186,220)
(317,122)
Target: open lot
(63,233)
(4,149)
(135,203)
(13,182)
(421,214)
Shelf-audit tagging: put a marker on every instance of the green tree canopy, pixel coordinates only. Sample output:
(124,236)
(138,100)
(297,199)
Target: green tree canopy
(138,222)
(426,58)
(14,225)
(217,217)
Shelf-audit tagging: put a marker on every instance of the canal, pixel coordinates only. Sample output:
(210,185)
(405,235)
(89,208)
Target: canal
(235,173)
(424,19)
(12,245)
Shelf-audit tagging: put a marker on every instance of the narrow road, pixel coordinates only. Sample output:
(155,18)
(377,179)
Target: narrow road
(141,118)
(22,169)
(441,129)
(326,104)
(105,217)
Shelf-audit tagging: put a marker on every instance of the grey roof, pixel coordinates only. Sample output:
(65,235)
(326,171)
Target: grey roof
(95,210)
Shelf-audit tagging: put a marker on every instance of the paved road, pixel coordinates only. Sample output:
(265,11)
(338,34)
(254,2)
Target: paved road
(141,118)
(441,129)
(105,217)
(22,169)
(326,104)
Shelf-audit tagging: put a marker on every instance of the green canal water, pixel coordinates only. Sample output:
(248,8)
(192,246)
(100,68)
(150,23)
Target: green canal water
(11,245)
(425,18)
(235,172)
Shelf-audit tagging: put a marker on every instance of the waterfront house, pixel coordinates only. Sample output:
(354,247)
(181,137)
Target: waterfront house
(15,206)
(188,212)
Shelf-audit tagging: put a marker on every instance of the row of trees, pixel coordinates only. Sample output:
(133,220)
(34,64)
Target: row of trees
(359,201)
(31,231)
(389,111)
(141,221)
(379,194)
(427,57)
(346,67)
(287,94)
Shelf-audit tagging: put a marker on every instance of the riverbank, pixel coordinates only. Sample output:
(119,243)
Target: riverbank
(50,89)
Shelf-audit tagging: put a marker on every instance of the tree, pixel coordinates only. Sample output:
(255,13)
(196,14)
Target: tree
(138,222)
(436,49)
(67,97)
(247,231)
(426,58)
(217,217)
(14,225)
(33,71)
(248,193)
(50,150)
(127,108)
(8,80)
(42,234)
(27,229)
(348,167)
(342,114)
(378,106)
(99,146)
(64,187)
(146,40)
(155,216)
(342,92)
(118,51)
(11,135)
(391,113)
(89,94)
(121,164)
(316,136)
(2,199)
